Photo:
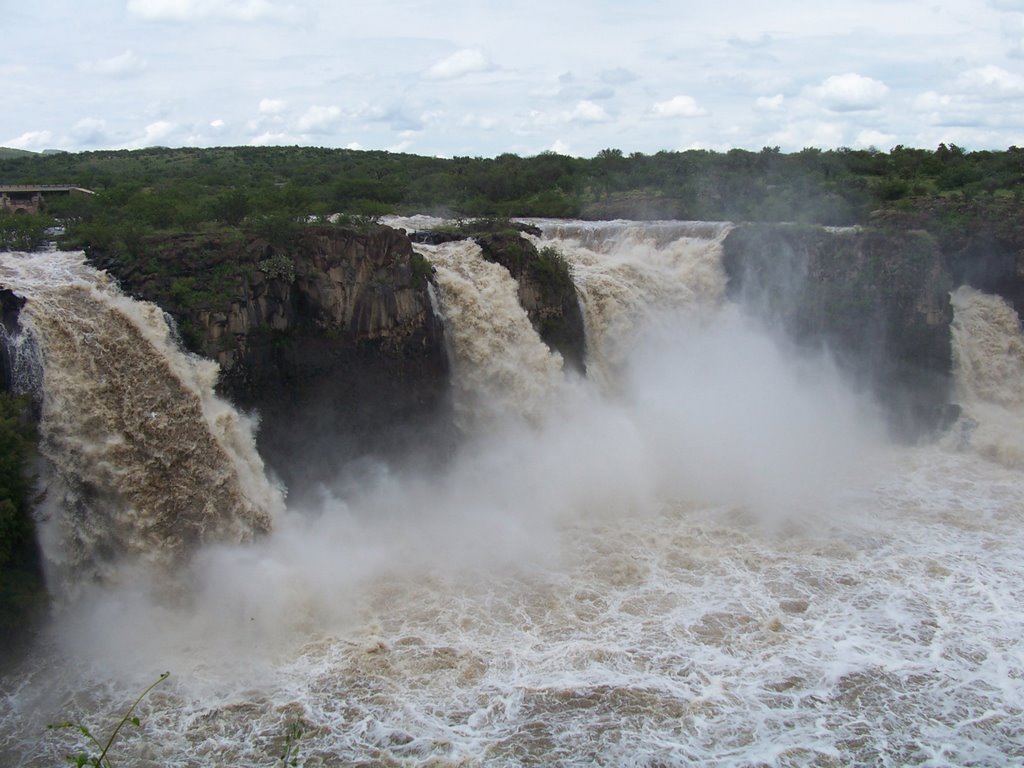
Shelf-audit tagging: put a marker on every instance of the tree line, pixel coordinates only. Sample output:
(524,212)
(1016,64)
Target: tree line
(165,190)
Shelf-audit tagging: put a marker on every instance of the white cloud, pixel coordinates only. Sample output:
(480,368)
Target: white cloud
(679,106)
(124,64)
(560,147)
(318,119)
(30,140)
(712,146)
(400,147)
(353,145)
(196,10)
(588,112)
(876,139)
(849,93)
(431,116)
(991,81)
(268,138)
(272,106)
(90,131)
(796,136)
(932,100)
(920,75)
(460,63)
(771,103)
(154,133)
(585,112)
(479,121)
(217,124)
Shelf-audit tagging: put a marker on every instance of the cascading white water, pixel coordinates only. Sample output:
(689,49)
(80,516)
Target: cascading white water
(988,355)
(597,587)
(148,463)
(628,272)
(501,367)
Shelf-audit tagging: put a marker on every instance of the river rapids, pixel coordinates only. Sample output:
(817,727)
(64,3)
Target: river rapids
(707,552)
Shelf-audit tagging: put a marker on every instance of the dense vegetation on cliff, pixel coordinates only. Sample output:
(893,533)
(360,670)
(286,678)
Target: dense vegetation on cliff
(182,189)
(20,585)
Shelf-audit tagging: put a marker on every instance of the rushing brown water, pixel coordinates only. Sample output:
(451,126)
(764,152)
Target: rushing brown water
(710,557)
(502,368)
(149,463)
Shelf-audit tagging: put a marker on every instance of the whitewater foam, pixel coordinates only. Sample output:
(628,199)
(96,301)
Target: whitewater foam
(719,562)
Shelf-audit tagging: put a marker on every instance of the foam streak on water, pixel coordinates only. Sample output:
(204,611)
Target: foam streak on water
(674,637)
(721,565)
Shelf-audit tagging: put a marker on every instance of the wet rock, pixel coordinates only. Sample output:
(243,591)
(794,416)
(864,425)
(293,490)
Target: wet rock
(879,300)
(546,292)
(330,338)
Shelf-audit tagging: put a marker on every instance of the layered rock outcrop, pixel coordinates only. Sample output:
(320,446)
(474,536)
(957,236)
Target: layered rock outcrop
(982,240)
(330,338)
(878,299)
(546,289)
(546,292)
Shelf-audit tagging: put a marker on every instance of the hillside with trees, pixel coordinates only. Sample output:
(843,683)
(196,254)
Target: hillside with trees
(160,190)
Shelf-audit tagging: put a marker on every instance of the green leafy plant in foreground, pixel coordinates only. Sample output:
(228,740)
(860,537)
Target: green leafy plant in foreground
(290,755)
(84,759)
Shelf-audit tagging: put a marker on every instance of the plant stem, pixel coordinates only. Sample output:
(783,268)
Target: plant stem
(127,715)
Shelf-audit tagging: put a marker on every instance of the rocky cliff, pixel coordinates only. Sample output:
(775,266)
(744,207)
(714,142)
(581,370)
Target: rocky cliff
(878,299)
(546,292)
(546,289)
(330,337)
(981,238)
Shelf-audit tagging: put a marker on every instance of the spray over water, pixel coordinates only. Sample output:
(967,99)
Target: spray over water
(501,366)
(593,584)
(630,273)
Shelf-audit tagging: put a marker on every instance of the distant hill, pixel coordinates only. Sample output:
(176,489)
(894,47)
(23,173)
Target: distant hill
(11,152)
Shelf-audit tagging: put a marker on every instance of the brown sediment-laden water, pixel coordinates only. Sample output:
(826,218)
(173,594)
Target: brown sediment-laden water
(707,553)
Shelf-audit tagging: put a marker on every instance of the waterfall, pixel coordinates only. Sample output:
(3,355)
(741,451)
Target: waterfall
(628,272)
(501,368)
(709,556)
(988,358)
(147,461)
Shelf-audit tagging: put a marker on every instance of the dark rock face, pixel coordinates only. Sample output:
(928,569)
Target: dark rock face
(436,237)
(879,300)
(332,340)
(546,292)
(982,241)
(990,258)
(10,306)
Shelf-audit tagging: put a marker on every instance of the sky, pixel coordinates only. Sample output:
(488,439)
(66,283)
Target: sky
(481,77)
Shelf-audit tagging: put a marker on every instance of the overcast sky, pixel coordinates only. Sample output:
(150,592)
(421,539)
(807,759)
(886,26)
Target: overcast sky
(482,77)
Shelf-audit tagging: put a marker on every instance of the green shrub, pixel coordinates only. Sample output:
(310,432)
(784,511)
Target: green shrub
(24,232)
(278,267)
(422,270)
(17,441)
(22,593)
(553,270)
